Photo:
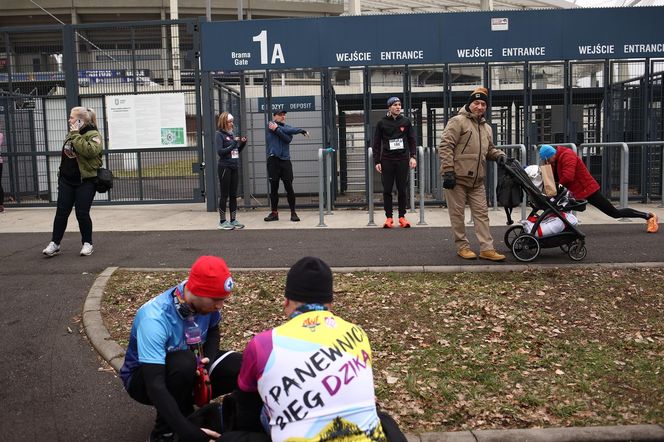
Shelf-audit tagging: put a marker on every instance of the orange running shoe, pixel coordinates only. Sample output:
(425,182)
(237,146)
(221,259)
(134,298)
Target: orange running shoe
(389,223)
(403,222)
(652,223)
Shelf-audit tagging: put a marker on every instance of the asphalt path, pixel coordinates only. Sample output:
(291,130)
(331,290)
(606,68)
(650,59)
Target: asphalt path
(53,384)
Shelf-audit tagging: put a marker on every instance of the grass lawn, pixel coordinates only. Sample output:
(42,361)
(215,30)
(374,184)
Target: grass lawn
(177,168)
(463,351)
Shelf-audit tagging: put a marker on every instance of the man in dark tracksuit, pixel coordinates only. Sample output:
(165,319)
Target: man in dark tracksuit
(394,152)
(279,166)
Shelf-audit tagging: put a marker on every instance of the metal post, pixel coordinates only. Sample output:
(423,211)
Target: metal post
(366,101)
(436,169)
(328,180)
(422,168)
(426,168)
(175,44)
(244,120)
(494,184)
(624,174)
(411,177)
(523,158)
(624,170)
(207,142)
(321,189)
(652,143)
(370,169)
(70,66)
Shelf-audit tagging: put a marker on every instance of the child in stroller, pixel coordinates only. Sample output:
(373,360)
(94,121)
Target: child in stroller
(555,226)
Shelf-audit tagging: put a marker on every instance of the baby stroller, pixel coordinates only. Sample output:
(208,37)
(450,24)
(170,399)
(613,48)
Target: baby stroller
(526,242)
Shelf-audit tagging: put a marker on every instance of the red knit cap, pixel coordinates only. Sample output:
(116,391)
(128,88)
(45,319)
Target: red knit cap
(210,278)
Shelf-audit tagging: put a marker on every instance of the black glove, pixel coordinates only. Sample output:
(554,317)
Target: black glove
(501,160)
(449,180)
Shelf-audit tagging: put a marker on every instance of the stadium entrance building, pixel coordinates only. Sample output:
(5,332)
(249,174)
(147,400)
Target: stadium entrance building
(555,76)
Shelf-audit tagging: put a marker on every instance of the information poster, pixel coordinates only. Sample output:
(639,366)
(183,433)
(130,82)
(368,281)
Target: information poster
(146,121)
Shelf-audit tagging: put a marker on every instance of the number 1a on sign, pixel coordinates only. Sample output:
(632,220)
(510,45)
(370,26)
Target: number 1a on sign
(277,52)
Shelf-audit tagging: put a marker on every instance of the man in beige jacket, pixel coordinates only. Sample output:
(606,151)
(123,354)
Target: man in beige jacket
(466,145)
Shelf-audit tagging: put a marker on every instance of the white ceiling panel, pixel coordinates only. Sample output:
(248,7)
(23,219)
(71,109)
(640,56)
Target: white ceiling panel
(369,7)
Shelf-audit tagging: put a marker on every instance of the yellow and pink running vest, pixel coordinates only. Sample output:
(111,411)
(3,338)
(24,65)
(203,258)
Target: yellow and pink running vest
(315,377)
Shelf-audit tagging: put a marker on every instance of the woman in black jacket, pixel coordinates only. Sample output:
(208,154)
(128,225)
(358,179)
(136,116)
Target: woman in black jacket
(228,149)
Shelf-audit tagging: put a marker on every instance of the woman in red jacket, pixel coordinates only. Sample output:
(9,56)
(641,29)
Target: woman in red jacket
(573,174)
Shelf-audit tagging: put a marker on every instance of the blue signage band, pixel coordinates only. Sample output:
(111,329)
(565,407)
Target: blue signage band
(435,38)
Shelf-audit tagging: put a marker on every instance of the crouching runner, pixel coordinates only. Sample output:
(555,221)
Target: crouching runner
(174,336)
(311,378)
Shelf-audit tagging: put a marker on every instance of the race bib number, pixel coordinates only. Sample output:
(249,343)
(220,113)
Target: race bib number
(396,144)
(235,154)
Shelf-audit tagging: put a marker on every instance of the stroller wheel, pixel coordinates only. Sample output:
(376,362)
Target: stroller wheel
(512,233)
(577,250)
(526,247)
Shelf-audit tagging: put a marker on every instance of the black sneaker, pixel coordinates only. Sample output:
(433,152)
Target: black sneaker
(161,437)
(294,217)
(273,216)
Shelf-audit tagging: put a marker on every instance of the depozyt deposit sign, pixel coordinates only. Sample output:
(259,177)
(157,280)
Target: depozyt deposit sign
(496,36)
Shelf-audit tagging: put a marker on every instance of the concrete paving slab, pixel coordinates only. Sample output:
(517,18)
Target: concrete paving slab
(193,216)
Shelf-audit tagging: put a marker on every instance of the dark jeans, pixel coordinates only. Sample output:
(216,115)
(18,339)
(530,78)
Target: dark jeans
(180,376)
(79,195)
(395,170)
(280,169)
(228,180)
(604,205)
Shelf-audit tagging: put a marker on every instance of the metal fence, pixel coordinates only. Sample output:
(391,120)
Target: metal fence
(51,69)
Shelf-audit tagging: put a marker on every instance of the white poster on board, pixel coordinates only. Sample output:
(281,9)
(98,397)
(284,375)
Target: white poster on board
(146,121)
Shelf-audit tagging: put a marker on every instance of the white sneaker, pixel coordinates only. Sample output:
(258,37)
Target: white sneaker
(87,249)
(51,249)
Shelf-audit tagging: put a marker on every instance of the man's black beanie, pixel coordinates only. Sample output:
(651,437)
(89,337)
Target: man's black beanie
(481,93)
(309,281)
